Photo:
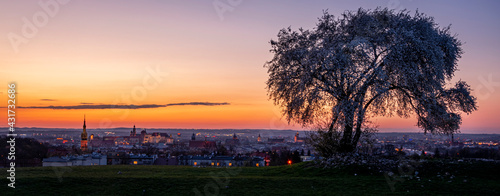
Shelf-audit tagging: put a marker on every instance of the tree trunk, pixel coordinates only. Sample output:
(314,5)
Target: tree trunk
(345,142)
(357,134)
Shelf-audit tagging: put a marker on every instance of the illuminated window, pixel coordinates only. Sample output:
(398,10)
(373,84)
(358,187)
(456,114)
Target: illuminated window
(135,162)
(195,163)
(230,164)
(212,163)
(218,164)
(257,164)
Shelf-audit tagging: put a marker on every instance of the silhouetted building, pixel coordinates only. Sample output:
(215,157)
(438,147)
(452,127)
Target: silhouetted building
(202,144)
(133,133)
(234,141)
(275,140)
(83,142)
(82,160)
(121,158)
(222,161)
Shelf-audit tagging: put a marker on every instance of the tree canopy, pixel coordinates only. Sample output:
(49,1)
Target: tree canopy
(369,63)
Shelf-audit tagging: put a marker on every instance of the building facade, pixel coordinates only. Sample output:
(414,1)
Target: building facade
(83,141)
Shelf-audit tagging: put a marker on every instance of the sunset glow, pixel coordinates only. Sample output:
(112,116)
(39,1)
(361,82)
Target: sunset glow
(104,53)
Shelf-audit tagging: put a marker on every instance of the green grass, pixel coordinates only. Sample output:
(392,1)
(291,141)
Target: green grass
(298,179)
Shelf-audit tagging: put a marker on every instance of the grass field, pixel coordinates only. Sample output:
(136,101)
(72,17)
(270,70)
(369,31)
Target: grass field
(300,179)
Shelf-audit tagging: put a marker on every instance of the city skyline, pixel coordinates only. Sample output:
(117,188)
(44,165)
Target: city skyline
(181,65)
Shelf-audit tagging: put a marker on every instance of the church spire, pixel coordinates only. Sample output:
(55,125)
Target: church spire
(133,132)
(83,141)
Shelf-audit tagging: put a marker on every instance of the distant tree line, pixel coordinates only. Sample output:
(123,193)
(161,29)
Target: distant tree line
(29,152)
(284,157)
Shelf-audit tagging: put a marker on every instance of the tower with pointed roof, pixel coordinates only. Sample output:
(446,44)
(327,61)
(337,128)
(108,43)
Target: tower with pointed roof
(83,142)
(133,133)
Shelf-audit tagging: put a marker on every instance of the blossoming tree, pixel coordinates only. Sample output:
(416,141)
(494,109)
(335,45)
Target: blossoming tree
(369,63)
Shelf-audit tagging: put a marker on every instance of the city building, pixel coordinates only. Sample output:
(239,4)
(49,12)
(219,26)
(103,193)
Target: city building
(56,162)
(82,160)
(234,141)
(298,139)
(208,145)
(83,141)
(155,138)
(102,142)
(222,161)
(275,140)
(121,158)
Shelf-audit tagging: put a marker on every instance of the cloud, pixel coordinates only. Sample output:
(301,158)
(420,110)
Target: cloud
(48,99)
(198,103)
(122,106)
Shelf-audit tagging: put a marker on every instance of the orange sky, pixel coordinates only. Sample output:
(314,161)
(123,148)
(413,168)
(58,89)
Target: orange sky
(177,52)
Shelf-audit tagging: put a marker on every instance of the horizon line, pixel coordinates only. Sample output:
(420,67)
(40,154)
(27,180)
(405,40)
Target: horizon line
(382,131)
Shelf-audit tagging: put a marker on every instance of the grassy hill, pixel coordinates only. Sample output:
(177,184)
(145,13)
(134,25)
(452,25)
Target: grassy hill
(299,179)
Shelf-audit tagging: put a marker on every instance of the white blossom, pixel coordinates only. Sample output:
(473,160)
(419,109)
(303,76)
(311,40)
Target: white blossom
(369,63)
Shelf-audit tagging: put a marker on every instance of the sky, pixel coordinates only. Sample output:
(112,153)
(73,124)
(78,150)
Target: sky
(196,64)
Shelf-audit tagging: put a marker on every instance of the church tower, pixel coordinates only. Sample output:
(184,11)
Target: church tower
(83,142)
(133,133)
(259,139)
